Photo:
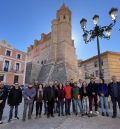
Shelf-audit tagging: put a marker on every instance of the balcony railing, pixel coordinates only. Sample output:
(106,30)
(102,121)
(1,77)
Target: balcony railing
(11,70)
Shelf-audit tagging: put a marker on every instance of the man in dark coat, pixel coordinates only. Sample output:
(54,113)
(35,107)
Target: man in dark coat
(92,95)
(50,96)
(114,92)
(14,99)
(3,97)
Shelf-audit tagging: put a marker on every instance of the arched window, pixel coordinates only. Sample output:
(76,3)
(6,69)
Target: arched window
(64,17)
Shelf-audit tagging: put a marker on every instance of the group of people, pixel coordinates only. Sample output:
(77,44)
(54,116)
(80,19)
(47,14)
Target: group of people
(77,97)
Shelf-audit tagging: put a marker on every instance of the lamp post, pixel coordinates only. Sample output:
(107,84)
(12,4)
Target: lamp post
(99,32)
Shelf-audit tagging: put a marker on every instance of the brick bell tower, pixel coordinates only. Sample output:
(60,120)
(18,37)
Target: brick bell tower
(61,62)
(62,45)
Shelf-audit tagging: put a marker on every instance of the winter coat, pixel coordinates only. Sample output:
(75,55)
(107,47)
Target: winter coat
(39,96)
(103,89)
(29,95)
(76,93)
(3,96)
(15,97)
(45,93)
(111,91)
(61,94)
(68,92)
(92,87)
(83,93)
(50,93)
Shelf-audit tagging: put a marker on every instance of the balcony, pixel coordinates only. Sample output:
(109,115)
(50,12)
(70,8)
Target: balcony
(11,70)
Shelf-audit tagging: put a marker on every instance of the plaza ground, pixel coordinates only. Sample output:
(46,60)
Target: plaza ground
(63,122)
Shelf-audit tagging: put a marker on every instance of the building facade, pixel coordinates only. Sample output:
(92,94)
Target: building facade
(12,64)
(53,56)
(110,66)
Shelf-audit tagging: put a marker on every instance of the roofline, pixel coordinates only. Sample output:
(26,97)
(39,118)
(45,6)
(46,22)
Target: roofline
(102,54)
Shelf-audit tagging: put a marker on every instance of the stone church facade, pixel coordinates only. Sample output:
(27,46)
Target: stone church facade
(53,56)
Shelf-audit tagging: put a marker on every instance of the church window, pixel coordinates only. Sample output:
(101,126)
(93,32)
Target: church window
(64,17)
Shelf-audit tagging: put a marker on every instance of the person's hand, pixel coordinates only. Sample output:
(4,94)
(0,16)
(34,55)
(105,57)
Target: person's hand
(64,99)
(28,98)
(102,94)
(1,101)
(93,93)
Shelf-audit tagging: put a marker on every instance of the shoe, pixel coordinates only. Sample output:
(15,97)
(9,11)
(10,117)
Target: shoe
(91,112)
(17,117)
(58,114)
(103,114)
(39,116)
(23,120)
(107,114)
(1,122)
(97,112)
(62,114)
(9,120)
(52,115)
(69,114)
(113,116)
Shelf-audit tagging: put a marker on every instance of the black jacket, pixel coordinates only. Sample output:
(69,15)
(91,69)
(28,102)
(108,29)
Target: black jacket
(50,93)
(4,93)
(110,90)
(45,93)
(15,97)
(3,96)
(83,93)
(92,87)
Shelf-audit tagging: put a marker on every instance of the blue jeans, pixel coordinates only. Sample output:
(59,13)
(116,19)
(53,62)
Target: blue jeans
(104,103)
(60,106)
(85,104)
(45,107)
(77,104)
(11,111)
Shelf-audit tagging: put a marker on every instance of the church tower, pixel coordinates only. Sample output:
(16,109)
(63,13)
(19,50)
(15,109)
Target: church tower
(62,46)
(55,51)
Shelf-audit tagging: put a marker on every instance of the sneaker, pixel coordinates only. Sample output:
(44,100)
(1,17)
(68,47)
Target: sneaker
(97,112)
(9,120)
(52,115)
(1,122)
(17,117)
(103,114)
(91,112)
(107,114)
(113,116)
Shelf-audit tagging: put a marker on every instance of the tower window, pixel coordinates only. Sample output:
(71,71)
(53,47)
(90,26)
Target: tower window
(64,17)
(8,53)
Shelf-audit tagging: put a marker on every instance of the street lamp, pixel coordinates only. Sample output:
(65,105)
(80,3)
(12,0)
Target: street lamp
(99,32)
